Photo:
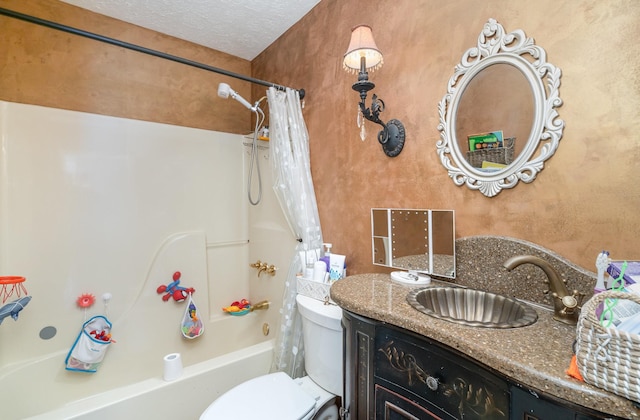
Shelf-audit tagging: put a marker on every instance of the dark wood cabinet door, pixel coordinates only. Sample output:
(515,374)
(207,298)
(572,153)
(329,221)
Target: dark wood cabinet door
(358,363)
(393,406)
(439,379)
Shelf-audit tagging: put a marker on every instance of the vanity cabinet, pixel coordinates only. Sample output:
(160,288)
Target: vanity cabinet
(391,373)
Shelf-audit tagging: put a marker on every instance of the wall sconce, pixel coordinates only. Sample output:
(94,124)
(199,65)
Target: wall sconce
(363,55)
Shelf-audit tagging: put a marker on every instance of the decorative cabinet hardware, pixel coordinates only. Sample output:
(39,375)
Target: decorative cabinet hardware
(432,383)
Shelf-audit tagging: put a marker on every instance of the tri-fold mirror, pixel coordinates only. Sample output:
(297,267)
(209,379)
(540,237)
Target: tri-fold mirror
(414,239)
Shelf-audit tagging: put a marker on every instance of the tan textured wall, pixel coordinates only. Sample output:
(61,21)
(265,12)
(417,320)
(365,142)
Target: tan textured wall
(43,66)
(586,199)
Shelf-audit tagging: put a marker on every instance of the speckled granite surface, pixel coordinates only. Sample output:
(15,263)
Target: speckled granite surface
(536,356)
(479,262)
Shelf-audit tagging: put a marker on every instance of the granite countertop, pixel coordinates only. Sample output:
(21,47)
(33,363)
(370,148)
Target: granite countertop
(536,356)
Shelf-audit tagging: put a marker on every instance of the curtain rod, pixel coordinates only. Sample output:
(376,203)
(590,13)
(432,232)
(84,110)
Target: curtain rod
(155,53)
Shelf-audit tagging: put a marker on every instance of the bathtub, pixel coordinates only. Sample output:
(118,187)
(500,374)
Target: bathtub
(185,398)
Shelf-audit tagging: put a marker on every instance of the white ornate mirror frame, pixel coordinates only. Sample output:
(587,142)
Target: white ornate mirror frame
(497,47)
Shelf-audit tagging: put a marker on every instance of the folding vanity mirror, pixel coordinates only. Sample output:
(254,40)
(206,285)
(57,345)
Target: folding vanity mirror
(498,119)
(422,241)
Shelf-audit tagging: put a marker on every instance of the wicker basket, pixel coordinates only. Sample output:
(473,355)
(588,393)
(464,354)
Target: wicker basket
(607,357)
(502,155)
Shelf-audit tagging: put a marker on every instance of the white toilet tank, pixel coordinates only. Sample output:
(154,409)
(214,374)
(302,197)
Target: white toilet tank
(322,334)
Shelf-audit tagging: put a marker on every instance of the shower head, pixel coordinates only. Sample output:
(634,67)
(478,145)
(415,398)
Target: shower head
(224,90)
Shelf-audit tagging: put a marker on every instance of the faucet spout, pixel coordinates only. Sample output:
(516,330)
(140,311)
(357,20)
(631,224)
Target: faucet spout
(565,304)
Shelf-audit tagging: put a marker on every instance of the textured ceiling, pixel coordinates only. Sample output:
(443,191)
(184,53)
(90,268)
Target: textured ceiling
(243,28)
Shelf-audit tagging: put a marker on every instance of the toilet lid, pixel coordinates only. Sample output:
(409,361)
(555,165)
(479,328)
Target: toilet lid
(273,396)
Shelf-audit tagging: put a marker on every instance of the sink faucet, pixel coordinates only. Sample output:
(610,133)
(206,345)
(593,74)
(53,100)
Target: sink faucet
(565,305)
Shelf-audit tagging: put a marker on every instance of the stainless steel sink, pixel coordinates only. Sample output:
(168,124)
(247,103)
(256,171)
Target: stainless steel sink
(472,307)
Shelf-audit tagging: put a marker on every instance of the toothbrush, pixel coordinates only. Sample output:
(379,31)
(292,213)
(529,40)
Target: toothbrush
(602,262)
(606,318)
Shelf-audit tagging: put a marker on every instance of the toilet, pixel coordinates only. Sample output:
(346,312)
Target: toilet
(276,396)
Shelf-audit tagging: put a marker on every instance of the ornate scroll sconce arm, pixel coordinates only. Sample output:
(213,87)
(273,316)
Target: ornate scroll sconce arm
(392,135)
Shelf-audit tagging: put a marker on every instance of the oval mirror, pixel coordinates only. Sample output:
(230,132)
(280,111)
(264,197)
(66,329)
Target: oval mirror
(498,120)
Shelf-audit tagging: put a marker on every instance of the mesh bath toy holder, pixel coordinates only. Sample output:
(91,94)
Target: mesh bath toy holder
(191,325)
(90,347)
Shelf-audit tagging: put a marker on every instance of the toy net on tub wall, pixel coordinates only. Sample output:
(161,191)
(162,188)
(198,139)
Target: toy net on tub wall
(192,326)
(90,346)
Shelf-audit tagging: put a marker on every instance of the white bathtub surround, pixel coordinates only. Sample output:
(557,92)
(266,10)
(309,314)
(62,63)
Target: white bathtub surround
(96,204)
(184,398)
(294,188)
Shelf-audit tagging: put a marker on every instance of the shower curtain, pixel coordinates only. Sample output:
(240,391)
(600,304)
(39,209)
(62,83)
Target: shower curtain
(289,146)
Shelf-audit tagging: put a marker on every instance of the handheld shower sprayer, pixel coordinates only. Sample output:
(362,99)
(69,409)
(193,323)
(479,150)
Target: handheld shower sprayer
(224,90)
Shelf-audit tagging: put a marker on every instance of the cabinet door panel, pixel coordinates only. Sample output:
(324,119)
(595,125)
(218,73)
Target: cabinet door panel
(392,406)
(441,378)
(531,406)
(358,363)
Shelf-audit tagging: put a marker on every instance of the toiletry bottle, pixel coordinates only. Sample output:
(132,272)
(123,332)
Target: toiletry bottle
(337,269)
(327,255)
(308,271)
(308,268)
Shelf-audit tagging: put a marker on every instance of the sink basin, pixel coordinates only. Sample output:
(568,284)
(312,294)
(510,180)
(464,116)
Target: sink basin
(472,307)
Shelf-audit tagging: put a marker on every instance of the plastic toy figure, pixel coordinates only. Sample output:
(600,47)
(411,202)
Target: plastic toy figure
(174,290)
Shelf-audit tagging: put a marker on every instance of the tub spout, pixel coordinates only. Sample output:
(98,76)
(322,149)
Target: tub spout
(264,304)
(565,304)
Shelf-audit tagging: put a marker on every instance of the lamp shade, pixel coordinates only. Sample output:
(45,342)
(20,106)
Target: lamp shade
(362,45)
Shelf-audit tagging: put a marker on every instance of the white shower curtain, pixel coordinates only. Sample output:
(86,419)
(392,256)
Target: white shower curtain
(289,145)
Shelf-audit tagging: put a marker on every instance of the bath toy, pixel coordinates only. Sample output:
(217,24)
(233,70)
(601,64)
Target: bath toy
(192,312)
(174,290)
(86,300)
(12,309)
(241,307)
(10,285)
(102,335)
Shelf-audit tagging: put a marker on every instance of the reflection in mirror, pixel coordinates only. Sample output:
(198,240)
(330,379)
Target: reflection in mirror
(497,99)
(498,119)
(416,240)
